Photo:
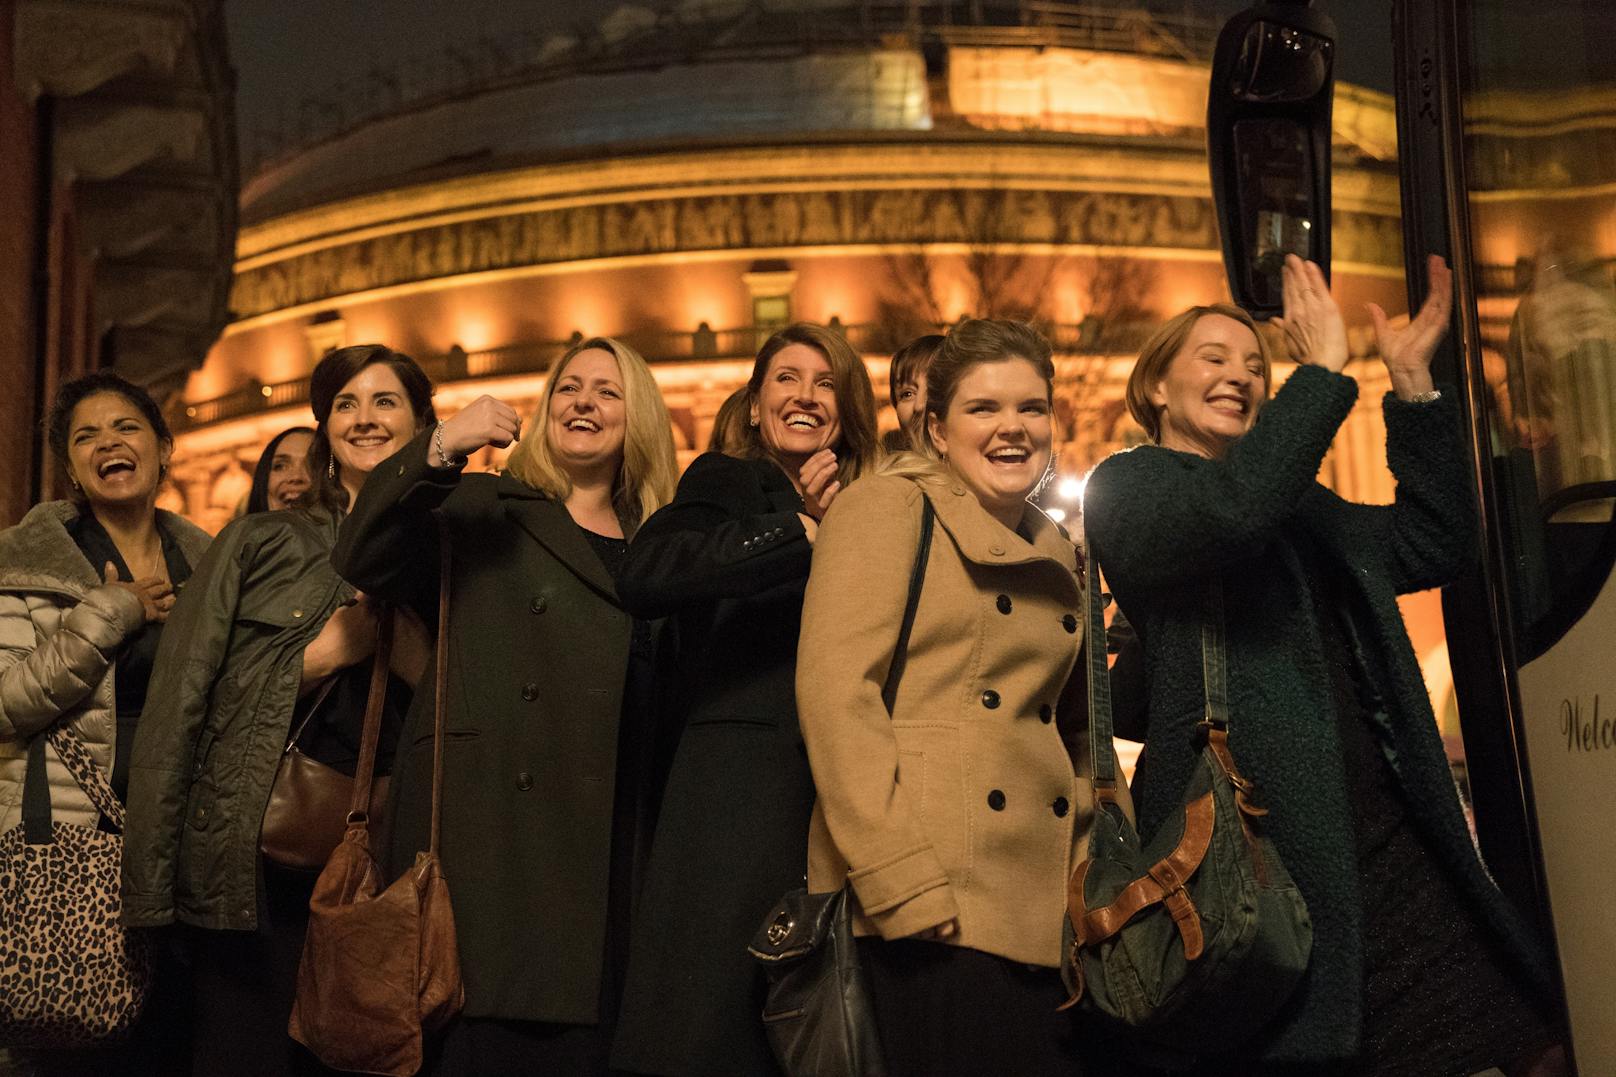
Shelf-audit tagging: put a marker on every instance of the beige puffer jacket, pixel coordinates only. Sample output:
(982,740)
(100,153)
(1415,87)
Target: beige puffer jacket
(60,628)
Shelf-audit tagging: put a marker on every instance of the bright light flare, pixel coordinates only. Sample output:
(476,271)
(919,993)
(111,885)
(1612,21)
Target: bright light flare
(1071,489)
(1056,514)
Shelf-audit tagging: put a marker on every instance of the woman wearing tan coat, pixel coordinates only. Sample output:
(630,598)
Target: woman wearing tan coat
(958,817)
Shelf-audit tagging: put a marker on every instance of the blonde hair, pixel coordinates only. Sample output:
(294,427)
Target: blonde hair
(1163,347)
(860,446)
(649,469)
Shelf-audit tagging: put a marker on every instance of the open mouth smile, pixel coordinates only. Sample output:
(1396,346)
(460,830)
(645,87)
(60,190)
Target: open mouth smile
(116,465)
(1009,456)
(801,420)
(583,426)
(1231,405)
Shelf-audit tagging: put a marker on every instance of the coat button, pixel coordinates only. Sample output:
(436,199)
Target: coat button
(746,545)
(1046,714)
(538,605)
(1004,604)
(779,532)
(1069,623)
(297,613)
(996,800)
(990,699)
(524,781)
(996,551)
(530,691)
(1061,807)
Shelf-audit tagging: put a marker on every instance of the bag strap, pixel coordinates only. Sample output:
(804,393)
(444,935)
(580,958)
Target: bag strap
(1214,656)
(1102,753)
(75,756)
(917,578)
(365,769)
(308,715)
(440,679)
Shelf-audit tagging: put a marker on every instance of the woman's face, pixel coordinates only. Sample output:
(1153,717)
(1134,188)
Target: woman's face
(795,410)
(996,434)
(370,420)
(911,400)
(1213,388)
(289,470)
(588,419)
(113,452)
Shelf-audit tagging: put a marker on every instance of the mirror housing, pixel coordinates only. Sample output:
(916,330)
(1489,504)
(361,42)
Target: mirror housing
(1268,145)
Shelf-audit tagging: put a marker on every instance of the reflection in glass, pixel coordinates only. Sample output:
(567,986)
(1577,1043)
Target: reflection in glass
(1274,188)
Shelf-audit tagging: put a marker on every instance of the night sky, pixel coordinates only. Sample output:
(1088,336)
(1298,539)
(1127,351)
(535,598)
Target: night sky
(284,51)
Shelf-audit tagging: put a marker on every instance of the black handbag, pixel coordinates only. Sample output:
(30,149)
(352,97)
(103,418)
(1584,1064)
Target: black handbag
(818,1015)
(1188,945)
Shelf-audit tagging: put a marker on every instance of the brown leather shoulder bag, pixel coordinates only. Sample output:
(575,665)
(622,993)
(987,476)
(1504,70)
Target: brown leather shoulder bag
(380,965)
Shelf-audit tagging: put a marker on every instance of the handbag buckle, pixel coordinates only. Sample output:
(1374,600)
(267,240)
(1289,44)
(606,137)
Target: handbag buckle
(780,929)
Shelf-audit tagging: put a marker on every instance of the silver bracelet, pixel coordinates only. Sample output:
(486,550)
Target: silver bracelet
(444,459)
(1430,396)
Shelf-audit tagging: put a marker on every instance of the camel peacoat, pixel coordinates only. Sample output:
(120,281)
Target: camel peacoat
(970,801)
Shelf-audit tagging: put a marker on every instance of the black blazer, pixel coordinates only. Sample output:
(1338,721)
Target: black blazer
(538,650)
(729,560)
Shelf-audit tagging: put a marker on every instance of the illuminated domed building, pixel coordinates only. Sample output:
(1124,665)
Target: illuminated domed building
(689,181)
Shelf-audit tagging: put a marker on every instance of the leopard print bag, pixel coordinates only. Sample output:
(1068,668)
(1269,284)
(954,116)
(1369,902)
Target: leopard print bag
(74,977)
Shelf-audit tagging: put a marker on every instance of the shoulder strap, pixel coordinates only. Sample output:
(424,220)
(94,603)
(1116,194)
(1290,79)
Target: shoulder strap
(1102,753)
(440,685)
(75,756)
(1214,656)
(917,577)
(365,769)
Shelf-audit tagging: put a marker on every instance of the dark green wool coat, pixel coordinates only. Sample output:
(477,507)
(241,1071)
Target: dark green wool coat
(1163,523)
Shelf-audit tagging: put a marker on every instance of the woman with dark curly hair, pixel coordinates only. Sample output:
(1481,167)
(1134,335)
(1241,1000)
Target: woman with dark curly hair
(85,588)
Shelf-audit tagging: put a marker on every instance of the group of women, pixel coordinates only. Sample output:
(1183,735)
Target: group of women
(668,698)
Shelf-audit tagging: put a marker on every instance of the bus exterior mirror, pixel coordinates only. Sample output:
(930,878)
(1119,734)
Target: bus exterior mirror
(1268,146)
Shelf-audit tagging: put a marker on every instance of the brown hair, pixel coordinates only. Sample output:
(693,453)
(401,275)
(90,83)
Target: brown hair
(912,360)
(970,344)
(859,448)
(1163,347)
(729,425)
(337,369)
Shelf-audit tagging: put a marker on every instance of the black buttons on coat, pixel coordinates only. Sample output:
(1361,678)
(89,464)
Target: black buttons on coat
(1046,714)
(524,781)
(996,799)
(1004,604)
(765,537)
(990,699)
(1069,622)
(530,691)
(539,604)
(1061,807)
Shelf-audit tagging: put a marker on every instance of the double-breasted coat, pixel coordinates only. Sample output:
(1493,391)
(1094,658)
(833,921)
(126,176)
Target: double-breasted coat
(728,558)
(970,801)
(538,652)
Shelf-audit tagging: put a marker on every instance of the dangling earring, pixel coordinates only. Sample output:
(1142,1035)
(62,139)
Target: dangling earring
(76,487)
(751,422)
(331,468)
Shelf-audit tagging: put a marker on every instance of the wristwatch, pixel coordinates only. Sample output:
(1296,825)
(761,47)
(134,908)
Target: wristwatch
(1430,396)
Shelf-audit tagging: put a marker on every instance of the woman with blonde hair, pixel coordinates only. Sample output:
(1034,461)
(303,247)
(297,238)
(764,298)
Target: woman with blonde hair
(546,766)
(729,559)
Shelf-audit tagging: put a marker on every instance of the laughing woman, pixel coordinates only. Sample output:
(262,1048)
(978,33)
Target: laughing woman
(265,635)
(957,816)
(85,588)
(728,559)
(546,759)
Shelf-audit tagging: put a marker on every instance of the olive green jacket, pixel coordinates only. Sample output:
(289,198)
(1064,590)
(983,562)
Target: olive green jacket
(217,717)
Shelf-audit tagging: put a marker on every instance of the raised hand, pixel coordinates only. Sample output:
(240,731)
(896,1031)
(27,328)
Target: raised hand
(1312,322)
(155,593)
(485,421)
(1407,352)
(818,482)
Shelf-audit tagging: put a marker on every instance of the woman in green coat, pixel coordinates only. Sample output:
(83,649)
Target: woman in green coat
(1419,964)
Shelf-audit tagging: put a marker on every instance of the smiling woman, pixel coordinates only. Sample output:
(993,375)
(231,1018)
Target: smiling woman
(954,807)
